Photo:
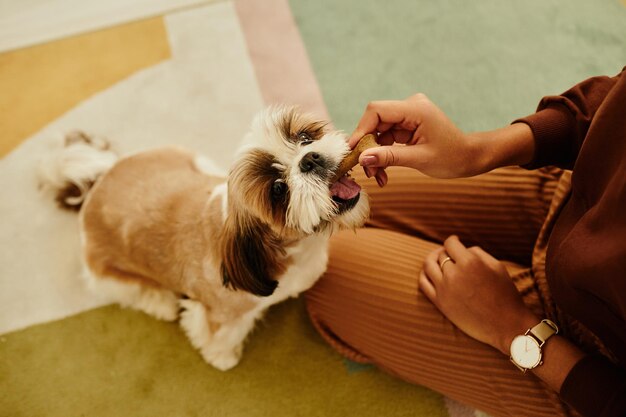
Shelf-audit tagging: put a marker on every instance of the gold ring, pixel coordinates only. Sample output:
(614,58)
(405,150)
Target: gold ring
(444,262)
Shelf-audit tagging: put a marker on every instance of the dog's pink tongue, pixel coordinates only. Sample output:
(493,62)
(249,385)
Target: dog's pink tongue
(345,188)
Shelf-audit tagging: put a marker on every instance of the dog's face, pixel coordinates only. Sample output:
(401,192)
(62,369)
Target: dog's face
(282,176)
(279,187)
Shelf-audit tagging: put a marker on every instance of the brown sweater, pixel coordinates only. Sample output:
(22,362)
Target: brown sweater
(584,129)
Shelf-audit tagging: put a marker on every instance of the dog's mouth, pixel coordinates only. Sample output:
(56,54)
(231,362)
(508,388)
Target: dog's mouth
(345,192)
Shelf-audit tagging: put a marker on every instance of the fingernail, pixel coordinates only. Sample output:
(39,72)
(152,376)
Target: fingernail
(369,161)
(380,182)
(369,171)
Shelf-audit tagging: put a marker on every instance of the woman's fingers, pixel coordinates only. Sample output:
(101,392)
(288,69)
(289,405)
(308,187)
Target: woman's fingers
(431,267)
(444,260)
(453,246)
(427,287)
(384,156)
(381,177)
(381,116)
(395,136)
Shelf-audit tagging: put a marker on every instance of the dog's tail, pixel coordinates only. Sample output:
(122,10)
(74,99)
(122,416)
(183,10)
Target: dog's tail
(70,172)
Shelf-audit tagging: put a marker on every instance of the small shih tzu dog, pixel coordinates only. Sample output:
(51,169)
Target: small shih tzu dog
(163,233)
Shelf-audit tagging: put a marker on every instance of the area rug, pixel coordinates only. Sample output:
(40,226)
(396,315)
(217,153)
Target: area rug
(195,76)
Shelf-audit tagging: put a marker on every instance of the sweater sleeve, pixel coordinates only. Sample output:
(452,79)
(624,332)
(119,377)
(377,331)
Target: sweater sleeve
(561,122)
(595,387)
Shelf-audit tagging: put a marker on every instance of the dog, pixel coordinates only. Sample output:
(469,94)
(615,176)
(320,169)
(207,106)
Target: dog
(163,233)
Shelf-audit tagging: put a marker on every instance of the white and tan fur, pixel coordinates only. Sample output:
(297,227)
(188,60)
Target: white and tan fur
(165,234)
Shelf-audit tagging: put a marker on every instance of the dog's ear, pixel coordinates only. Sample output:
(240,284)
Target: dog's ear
(252,256)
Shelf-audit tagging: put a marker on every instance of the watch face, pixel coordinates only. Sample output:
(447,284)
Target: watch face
(525,351)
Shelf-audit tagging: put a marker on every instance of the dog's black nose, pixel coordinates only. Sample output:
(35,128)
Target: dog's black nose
(312,161)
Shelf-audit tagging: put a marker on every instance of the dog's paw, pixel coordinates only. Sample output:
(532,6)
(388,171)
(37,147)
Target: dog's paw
(223,360)
(194,322)
(221,349)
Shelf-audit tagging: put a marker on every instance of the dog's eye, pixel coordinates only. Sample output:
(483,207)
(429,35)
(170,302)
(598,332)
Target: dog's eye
(279,188)
(304,139)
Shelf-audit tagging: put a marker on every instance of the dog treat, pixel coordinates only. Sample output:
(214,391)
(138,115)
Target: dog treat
(366,142)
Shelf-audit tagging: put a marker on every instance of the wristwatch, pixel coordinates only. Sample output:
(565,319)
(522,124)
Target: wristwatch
(526,348)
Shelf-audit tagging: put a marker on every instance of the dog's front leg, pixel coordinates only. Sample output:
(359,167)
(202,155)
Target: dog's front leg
(220,344)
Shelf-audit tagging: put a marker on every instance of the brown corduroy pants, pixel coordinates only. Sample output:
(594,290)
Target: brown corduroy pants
(368,305)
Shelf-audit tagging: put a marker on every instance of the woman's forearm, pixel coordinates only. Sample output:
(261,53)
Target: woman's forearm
(510,145)
(559,357)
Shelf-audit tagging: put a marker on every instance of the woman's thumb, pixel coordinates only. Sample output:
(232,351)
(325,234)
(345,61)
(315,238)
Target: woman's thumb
(395,155)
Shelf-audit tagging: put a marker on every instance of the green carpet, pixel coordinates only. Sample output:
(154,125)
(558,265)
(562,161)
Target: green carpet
(113,362)
(484,63)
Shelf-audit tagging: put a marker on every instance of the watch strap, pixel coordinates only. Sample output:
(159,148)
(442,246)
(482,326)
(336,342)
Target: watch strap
(544,330)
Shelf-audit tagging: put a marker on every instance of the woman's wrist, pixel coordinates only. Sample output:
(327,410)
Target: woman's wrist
(508,146)
(517,326)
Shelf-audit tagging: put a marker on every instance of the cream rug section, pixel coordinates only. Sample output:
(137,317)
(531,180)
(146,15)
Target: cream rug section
(29,22)
(204,98)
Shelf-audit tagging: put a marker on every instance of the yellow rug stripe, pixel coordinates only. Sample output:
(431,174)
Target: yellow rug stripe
(40,83)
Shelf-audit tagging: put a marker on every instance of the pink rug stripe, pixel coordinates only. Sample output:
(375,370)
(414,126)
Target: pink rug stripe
(280,61)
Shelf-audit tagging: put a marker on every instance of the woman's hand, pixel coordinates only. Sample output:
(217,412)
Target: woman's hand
(475,292)
(442,150)
(433,144)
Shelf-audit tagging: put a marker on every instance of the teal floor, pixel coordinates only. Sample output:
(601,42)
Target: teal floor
(485,63)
